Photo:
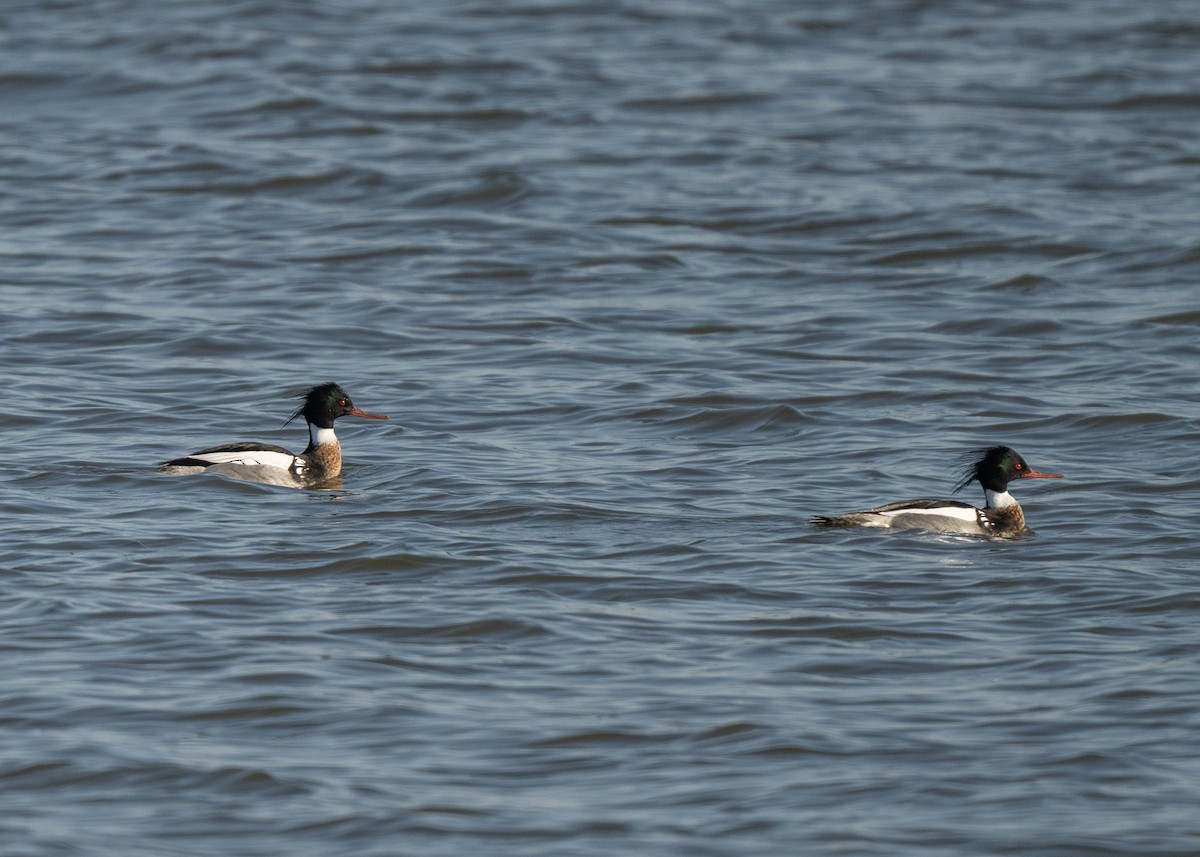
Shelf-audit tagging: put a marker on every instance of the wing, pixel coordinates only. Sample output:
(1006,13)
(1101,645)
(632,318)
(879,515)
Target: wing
(250,454)
(934,508)
(949,516)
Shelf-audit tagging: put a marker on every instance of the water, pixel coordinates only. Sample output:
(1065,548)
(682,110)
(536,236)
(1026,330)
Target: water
(642,286)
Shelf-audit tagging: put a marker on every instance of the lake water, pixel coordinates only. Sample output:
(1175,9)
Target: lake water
(642,286)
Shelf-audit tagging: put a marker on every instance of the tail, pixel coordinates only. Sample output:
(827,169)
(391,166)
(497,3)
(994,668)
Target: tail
(839,521)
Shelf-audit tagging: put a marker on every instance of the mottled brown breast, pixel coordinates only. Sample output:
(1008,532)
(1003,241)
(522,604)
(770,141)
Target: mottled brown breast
(324,462)
(1007,521)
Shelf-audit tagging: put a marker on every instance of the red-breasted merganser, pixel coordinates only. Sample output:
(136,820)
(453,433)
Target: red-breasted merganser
(319,464)
(1001,515)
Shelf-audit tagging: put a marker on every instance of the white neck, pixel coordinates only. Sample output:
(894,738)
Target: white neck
(318,436)
(999,501)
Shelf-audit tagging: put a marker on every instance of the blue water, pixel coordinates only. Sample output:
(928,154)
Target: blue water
(642,287)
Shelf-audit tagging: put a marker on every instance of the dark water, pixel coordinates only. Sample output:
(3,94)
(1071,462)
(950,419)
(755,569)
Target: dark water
(642,286)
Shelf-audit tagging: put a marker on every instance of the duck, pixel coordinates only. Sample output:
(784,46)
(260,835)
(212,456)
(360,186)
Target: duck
(993,467)
(319,465)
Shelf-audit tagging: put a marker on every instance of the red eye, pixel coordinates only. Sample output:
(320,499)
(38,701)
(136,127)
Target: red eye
(1017,466)
(342,403)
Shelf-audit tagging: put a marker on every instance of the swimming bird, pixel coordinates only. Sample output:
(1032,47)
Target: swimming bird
(319,464)
(992,467)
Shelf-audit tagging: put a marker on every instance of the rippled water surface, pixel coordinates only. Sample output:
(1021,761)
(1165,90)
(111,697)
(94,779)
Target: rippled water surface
(642,286)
